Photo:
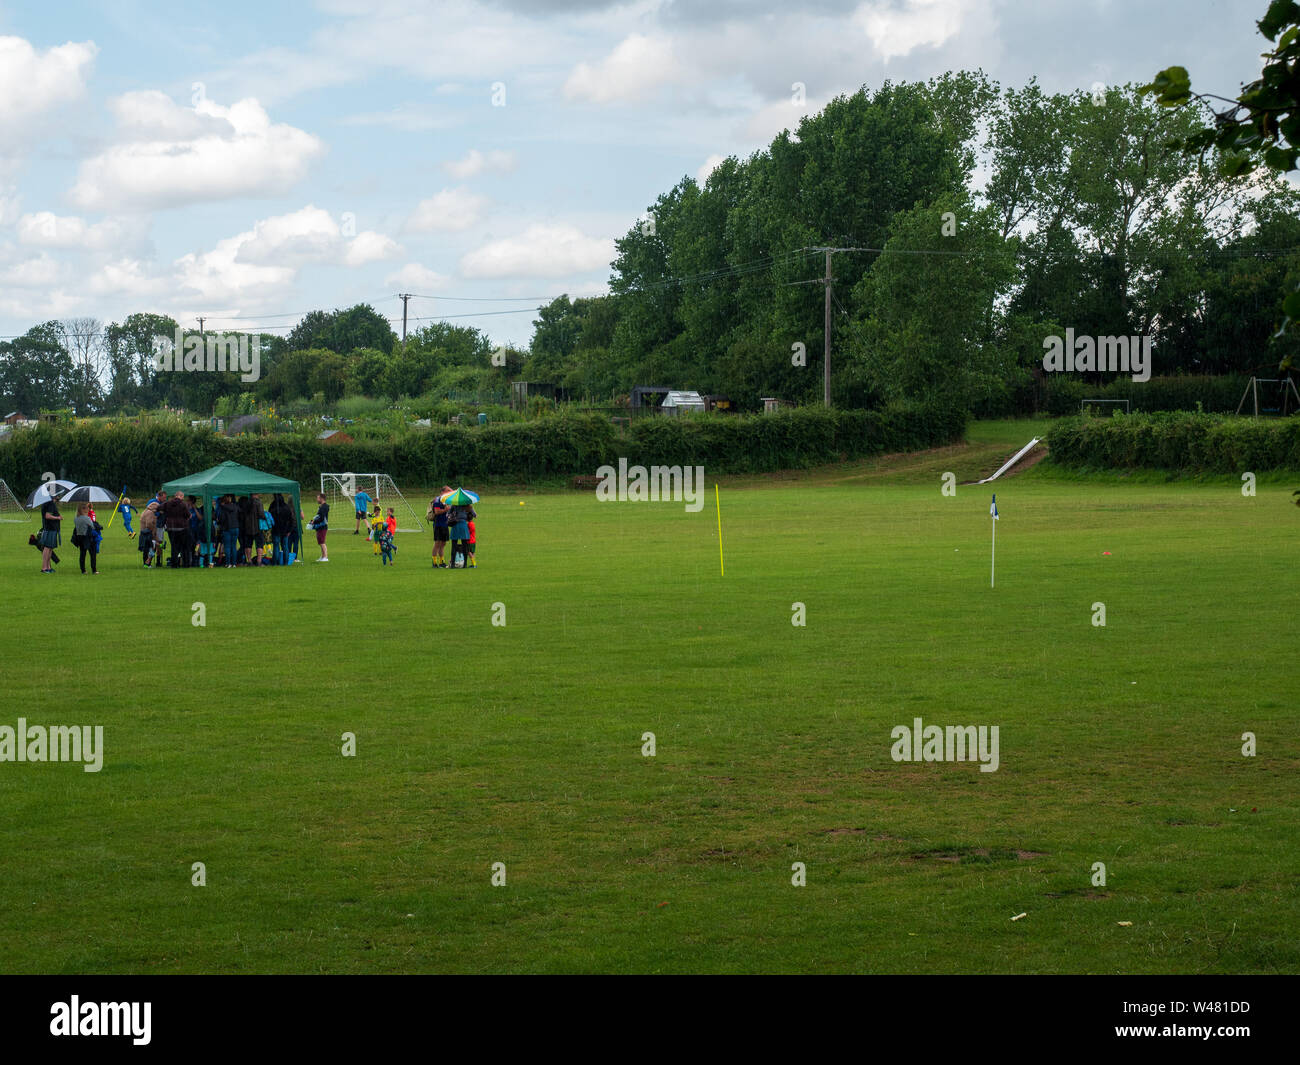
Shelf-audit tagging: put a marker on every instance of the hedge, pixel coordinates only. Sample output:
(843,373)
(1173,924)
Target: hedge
(1210,443)
(144,455)
(1214,394)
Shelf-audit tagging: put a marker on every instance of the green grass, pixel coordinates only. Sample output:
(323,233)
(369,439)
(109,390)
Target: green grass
(479,744)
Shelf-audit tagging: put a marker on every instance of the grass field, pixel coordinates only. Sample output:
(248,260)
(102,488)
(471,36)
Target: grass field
(522,744)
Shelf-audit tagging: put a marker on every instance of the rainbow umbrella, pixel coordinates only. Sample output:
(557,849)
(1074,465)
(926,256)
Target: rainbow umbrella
(458,497)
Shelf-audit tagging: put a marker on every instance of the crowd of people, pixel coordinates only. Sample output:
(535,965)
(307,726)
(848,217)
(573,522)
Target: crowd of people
(246,532)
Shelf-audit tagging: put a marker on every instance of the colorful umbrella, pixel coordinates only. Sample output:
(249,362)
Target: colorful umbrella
(459,498)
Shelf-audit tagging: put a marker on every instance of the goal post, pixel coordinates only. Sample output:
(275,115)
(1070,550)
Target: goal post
(11,510)
(380,488)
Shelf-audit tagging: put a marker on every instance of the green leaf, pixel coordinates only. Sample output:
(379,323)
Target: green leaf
(1280,13)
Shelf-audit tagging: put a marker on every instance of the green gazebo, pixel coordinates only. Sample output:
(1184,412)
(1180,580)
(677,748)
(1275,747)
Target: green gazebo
(230,478)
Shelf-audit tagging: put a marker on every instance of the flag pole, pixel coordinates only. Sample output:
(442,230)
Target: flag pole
(993,554)
(115,506)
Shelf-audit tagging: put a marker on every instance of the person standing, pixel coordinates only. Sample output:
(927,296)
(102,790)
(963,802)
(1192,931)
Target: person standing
(281,523)
(257,514)
(86,537)
(321,523)
(149,535)
(458,518)
(50,538)
(229,530)
(438,515)
(176,514)
(361,501)
(295,534)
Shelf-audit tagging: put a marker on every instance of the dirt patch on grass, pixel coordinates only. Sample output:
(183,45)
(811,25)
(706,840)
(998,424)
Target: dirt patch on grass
(976,855)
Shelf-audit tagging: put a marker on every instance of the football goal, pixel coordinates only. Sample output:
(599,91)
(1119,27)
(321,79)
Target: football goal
(379,487)
(10,509)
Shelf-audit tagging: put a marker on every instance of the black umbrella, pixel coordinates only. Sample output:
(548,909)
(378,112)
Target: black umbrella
(47,491)
(89,493)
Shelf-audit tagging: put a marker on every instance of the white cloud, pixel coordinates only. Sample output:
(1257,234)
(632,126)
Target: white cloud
(370,247)
(44,229)
(540,251)
(242,153)
(476,163)
(451,210)
(33,82)
(219,275)
(631,72)
(707,167)
(415,276)
(304,236)
(309,235)
(898,31)
(129,278)
(39,272)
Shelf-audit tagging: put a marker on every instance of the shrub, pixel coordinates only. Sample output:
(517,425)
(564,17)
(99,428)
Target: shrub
(1211,443)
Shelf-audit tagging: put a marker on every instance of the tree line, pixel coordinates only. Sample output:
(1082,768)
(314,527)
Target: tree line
(974,221)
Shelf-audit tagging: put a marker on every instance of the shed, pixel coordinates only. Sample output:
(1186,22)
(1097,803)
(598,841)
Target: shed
(676,402)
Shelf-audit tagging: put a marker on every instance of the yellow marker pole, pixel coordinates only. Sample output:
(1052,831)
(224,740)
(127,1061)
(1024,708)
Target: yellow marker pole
(721,564)
(114,514)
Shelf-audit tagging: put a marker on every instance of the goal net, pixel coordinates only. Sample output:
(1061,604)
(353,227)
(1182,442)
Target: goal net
(10,509)
(337,487)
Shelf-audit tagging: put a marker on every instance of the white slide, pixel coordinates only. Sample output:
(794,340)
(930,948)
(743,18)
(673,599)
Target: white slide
(1010,462)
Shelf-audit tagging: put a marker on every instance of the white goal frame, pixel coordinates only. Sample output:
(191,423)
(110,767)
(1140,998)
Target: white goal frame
(379,487)
(12,511)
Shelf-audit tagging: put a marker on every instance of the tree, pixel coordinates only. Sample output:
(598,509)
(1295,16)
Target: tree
(131,354)
(1261,126)
(36,371)
(84,338)
(927,328)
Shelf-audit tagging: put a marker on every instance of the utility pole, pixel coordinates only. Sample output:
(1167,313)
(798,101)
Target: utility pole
(404,296)
(826,333)
(201,321)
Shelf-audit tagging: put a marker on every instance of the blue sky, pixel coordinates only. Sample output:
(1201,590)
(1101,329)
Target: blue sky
(251,162)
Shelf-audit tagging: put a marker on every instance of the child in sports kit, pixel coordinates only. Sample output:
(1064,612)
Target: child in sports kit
(376,522)
(384,538)
(473,541)
(124,508)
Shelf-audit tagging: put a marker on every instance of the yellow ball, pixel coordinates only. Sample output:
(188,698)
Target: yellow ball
(521,502)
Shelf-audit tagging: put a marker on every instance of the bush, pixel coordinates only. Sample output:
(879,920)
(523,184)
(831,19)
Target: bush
(146,455)
(1210,443)
(1215,395)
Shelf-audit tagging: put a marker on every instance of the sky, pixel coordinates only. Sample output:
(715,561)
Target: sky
(250,162)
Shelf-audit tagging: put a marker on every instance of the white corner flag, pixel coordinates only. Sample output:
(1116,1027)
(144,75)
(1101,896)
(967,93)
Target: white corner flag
(993,560)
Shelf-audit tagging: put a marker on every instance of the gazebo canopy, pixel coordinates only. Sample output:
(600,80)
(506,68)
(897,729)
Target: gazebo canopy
(231,478)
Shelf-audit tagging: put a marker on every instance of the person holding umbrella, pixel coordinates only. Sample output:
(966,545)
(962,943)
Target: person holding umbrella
(50,538)
(460,513)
